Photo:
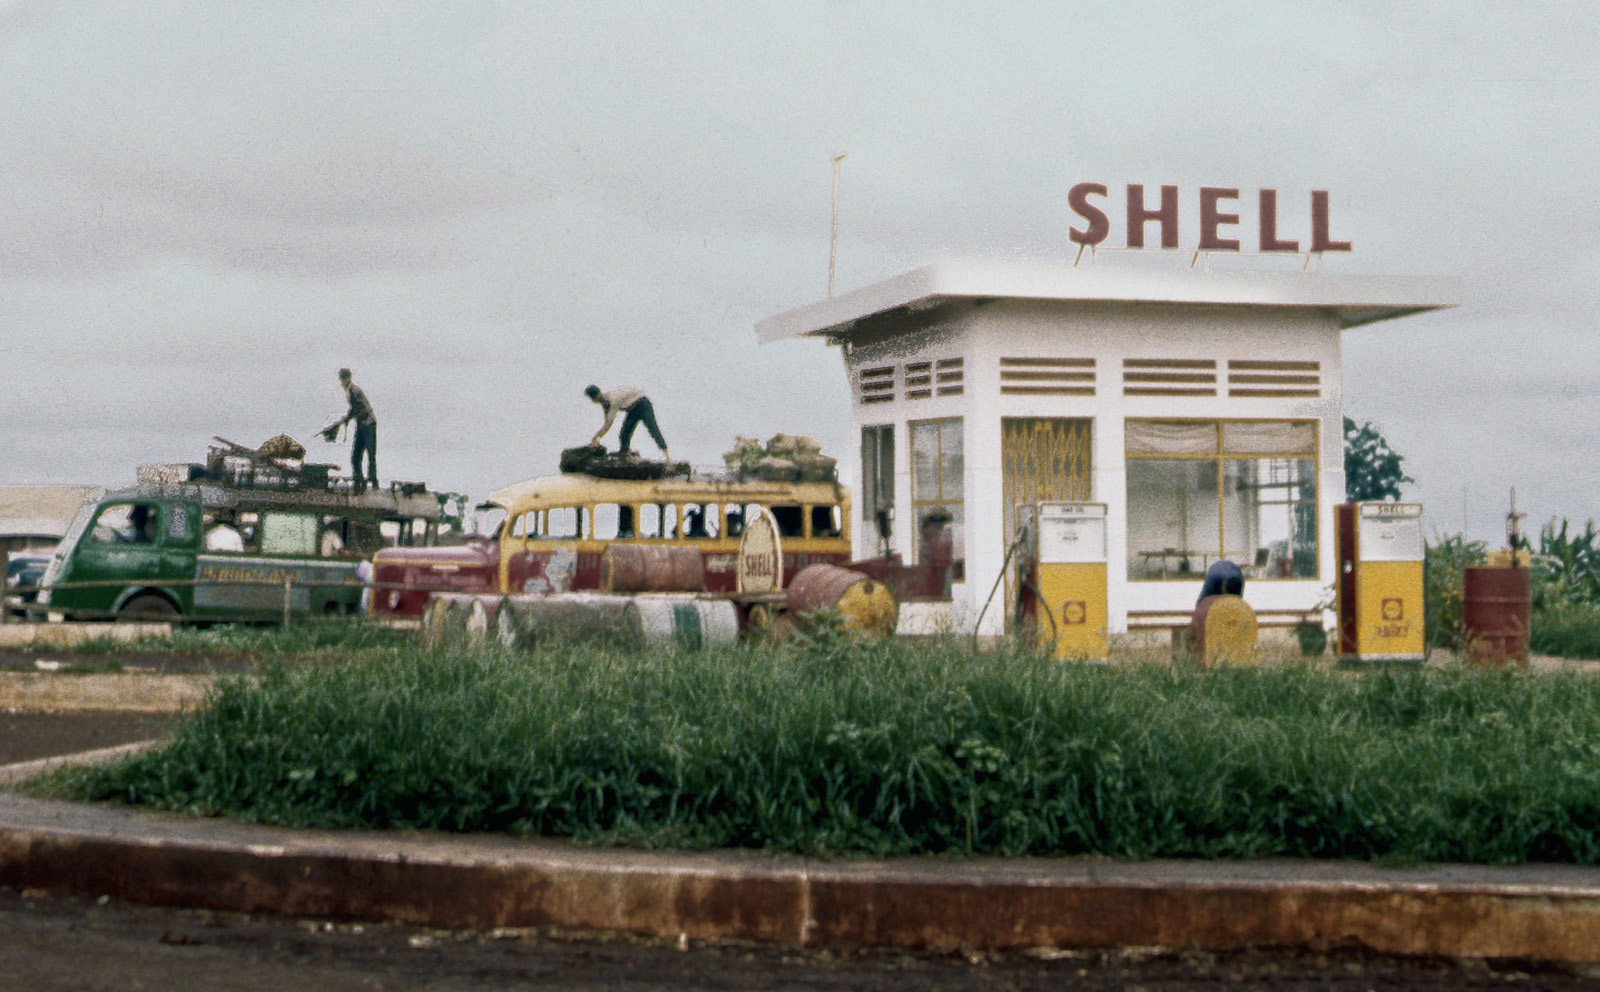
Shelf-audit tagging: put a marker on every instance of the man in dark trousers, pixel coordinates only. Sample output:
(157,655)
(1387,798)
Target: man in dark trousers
(366,432)
(636,410)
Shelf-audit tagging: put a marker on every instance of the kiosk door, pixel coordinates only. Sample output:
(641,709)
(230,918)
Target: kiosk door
(1380,581)
(1071,569)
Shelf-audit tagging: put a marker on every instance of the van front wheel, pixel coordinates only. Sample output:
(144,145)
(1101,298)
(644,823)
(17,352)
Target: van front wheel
(148,608)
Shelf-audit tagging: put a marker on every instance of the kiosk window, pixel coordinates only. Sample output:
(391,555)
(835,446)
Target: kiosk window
(937,466)
(877,470)
(1199,491)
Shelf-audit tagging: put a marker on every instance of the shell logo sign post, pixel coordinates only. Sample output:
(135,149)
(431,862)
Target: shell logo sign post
(760,556)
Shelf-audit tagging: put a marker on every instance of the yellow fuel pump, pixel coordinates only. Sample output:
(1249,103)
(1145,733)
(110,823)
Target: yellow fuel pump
(1380,600)
(1069,568)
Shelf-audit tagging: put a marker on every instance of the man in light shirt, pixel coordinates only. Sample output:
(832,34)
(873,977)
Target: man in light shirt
(636,409)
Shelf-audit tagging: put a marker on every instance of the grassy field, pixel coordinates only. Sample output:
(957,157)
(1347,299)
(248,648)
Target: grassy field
(833,747)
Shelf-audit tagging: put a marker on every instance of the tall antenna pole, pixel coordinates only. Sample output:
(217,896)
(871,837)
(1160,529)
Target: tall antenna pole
(833,235)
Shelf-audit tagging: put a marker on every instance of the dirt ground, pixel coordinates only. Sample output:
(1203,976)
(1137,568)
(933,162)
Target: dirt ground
(30,736)
(56,944)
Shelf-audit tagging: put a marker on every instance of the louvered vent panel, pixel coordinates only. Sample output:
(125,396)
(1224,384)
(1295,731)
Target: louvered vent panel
(1284,380)
(1047,376)
(919,380)
(1169,377)
(877,384)
(948,377)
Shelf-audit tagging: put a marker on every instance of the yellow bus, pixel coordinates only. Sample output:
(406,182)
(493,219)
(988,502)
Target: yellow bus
(555,529)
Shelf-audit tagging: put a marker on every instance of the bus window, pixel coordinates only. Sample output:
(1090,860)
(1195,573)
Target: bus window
(487,521)
(289,533)
(626,515)
(700,522)
(733,513)
(607,521)
(223,537)
(658,520)
(824,521)
(790,520)
(563,523)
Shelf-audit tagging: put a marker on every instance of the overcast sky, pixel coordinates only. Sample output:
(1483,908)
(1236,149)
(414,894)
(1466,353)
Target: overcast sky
(208,208)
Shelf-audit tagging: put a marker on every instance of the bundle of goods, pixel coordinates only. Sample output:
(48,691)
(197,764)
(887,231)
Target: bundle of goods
(595,460)
(784,458)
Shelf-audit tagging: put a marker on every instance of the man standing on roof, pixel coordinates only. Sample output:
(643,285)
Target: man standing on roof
(637,410)
(366,432)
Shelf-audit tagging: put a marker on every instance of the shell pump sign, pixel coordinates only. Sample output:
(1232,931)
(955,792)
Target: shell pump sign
(1380,598)
(1069,579)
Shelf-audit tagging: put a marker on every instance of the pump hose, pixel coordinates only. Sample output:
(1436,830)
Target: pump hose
(1022,535)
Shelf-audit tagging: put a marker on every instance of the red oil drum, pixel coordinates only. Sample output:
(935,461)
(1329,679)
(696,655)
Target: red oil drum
(652,568)
(1495,610)
(868,607)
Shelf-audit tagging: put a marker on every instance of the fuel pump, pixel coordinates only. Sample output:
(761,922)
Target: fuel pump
(1380,599)
(1064,579)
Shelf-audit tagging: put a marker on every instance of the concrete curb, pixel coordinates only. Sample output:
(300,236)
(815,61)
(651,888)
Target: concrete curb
(126,692)
(1544,912)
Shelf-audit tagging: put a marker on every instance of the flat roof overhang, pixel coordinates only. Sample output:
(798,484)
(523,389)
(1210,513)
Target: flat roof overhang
(1353,300)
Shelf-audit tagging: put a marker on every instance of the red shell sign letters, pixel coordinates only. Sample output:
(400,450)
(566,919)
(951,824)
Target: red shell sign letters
(1216,213)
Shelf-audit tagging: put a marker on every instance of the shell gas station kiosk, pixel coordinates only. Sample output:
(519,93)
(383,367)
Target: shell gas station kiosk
(1075,446)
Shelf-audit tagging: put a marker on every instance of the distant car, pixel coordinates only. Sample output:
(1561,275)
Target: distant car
(24,569)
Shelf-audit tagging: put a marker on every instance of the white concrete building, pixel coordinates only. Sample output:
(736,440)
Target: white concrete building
(1203,408)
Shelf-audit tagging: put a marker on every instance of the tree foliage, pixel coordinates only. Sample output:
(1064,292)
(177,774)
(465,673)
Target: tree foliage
(1371,468)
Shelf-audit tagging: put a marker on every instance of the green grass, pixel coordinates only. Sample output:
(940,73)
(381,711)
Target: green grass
(837,748)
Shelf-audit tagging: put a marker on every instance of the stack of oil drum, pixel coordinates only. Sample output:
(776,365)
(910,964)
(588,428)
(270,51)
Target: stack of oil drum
(655,596)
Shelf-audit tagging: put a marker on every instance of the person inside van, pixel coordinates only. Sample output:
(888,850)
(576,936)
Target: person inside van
(143,521)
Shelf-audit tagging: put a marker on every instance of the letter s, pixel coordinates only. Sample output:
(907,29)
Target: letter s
(1099,225)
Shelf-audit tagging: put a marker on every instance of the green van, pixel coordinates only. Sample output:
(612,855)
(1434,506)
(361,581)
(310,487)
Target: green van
(218,553)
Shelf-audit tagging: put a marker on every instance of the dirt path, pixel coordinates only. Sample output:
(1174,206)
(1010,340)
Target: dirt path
(50,944)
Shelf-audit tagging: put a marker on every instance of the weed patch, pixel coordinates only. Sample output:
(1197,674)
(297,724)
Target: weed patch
(841,747)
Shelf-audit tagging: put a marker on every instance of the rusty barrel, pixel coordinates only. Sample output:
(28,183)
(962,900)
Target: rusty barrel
(652,568)
(444,619)
(1495,610)
(867,605)
(1224,631)
(685,620)
(524,622)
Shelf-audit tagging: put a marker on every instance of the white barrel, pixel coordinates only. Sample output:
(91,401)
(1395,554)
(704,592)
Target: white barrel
(480,620)
(523,622)
(689,621)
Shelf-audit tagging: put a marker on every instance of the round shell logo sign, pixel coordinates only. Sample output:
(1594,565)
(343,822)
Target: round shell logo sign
(760,555)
